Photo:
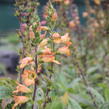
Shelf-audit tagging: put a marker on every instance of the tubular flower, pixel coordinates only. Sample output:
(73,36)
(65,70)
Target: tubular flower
(65,38)
(21,88)
(43,22)
(25,61)
(42,36)
(43,43)
(72,24)
(68,43)
(64,50)
(23,27)
(47,51)
(19,100)
(31,35)
(54,16)
(48,56)
(85,14)
(28,77)
(66,2)
(56,38)
(42,28)
(97,2)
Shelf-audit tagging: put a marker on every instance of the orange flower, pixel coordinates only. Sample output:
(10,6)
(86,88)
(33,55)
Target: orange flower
(43,43)
(25,61)
(42,36)
(97,2)
(66,2)
(85,14)
(19,100)
(72,24)
(65,38)
(21,88)
(64,50)
(54,16)
(48,56)
(56,38)
(31,35)
(28,82)
(42,28)
(68,43)
(47,51)
(28,77)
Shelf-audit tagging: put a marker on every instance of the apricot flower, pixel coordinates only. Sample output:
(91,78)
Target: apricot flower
(64,50)
(43,43)
(28,77)
(65,38)
(42,36)
(25,61)
(66,2)
(19,100)
(48,56)
(97,2)
(72,24)
(54,16)
(42,28)
(21,88)
(56,38)
(31,35)
(68,43)
(85,14)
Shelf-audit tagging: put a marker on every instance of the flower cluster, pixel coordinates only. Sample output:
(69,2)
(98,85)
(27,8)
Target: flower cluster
(37,37)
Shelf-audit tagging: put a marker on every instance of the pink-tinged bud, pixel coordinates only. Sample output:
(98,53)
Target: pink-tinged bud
(43,22)
(72,24)
(31,35)
(56,35)
(42,36)
(85,14)
(77,22)
(45,15)
(23,27)
(66,2)
(74,15)
(95,24)
(54,16)
(92,11)
(76,18)
(24,14)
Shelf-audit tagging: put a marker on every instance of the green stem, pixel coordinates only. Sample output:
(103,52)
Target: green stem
(36,81)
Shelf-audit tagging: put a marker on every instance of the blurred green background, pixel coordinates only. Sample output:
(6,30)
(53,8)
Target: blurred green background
(8,22)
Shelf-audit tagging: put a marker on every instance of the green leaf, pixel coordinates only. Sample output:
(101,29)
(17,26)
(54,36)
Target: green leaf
(56,104)
(97,96)
(105,106)
(39,94)
(106,94)
(74,104)
(5,92)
